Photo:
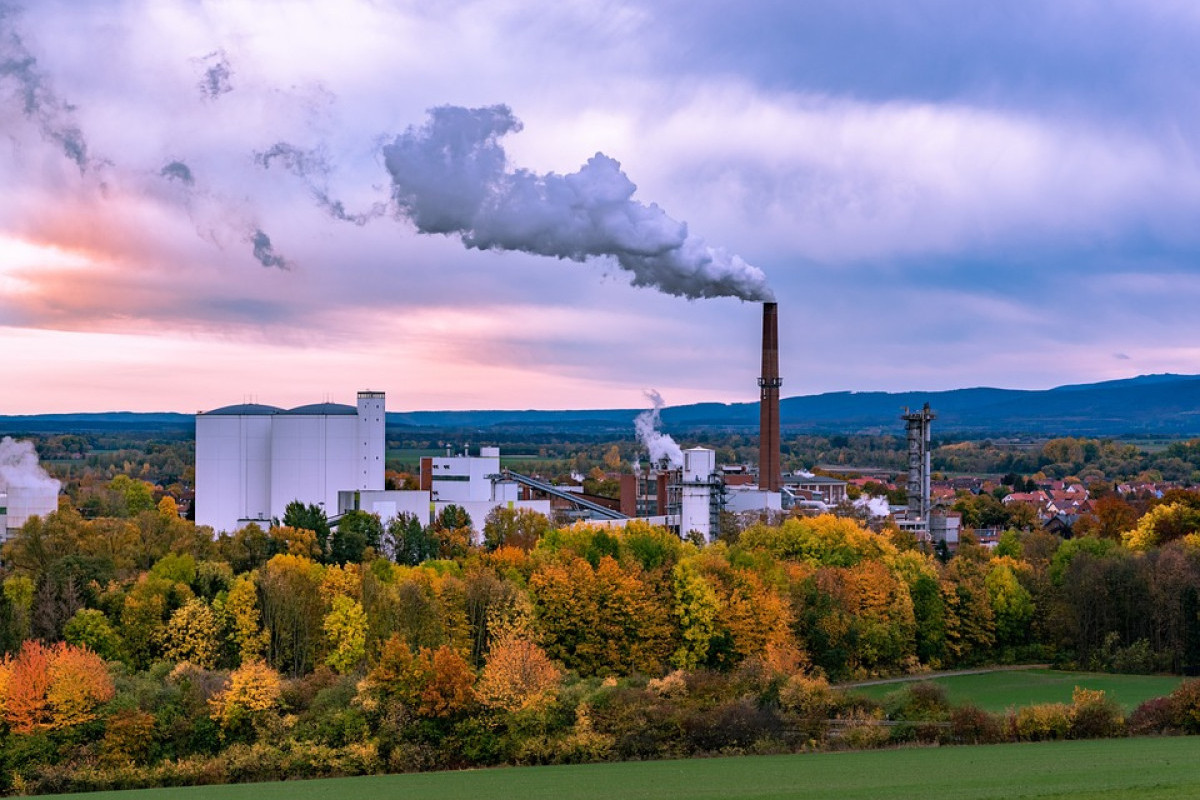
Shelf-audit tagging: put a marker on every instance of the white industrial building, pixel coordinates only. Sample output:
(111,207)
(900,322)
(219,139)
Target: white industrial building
(474,483)
(699,493)
(19,503)
(252,460)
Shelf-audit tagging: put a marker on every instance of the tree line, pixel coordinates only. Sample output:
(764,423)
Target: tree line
(140,649)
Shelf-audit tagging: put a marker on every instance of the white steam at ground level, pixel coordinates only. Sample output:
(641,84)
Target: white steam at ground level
(19,467)
(659,445)
(875,506)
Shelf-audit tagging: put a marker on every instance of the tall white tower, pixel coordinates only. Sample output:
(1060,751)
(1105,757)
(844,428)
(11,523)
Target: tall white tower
(371,441)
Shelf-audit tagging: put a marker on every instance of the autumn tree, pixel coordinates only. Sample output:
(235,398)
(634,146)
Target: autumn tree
(518,675)
(513,527)
(293,611)
(52,687)
(602,620)
(193,634)
(453,531)
(310,517)
(429,683)
(346,632)
(242,609)
(253,692)
(1109,518)
(1162,524)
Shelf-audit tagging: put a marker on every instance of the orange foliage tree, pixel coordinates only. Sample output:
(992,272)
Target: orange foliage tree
(52,687)
(601,621)
(518,675)
(430,683)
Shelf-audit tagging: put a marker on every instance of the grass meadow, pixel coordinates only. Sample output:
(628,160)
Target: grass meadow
(1001,690)
(1148,768)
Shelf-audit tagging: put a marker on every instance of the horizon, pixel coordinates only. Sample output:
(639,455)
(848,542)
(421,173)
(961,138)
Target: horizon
(390,410)
(492,208)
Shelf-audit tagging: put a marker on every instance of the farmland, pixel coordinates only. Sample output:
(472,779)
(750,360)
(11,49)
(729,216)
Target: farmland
(1148,768)
(1005,689)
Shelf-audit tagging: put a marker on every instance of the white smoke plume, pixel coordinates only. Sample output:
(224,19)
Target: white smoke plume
(19,467)
(875,506)
(39,102)
(215,81)
(313,167)
(451,176)
(660,446)
(264,251)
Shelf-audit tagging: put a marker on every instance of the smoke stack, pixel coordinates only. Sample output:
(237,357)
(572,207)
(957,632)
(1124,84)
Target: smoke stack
(769,474)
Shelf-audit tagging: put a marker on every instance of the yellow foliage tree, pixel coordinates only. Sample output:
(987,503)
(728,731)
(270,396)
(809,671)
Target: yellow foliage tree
(346,631)
(253,690)
(193,635)
(1162,524)
(241,604)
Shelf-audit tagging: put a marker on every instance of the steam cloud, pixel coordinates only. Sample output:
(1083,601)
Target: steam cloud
(19,467)
(660,446)
(178,171)
(39,102)
(875,506)
(215,81)
(313,167)
(451,177)
(265,252)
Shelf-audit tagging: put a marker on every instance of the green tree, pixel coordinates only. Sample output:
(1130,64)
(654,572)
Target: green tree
(410,542)
(356,534)
(310,517)
(90,628)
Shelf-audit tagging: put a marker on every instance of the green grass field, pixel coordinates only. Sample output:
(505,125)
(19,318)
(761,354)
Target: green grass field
(1150,769)
(997,691)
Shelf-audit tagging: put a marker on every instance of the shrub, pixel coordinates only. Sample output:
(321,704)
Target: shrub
(1043,722)
(1186,702)
(1093,715)
(1154,717)
(972,725)
(863,730)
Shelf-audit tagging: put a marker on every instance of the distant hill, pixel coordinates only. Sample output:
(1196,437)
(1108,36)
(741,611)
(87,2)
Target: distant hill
(1166,405)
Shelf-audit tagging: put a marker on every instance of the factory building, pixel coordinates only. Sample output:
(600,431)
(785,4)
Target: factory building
(252,460)
(19,503)
(475,484)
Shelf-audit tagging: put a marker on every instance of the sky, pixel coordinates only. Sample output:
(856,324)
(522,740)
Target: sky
(502,204)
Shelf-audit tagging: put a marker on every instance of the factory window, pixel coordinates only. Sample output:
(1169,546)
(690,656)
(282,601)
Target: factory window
(3,510)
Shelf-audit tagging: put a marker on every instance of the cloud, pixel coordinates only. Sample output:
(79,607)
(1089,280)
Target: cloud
(1044,189)
(39,101)
(217,74)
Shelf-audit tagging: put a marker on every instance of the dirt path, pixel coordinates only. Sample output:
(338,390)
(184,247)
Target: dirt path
(925,676)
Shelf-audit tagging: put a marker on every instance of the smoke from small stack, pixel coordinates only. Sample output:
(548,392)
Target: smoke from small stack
(659,445)
(770,475)
(451,177)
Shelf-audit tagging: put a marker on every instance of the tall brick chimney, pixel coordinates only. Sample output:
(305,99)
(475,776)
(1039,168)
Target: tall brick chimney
(769,474)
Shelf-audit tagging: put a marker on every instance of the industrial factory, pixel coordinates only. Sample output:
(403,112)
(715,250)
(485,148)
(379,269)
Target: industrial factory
(25,488)
(253,460)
